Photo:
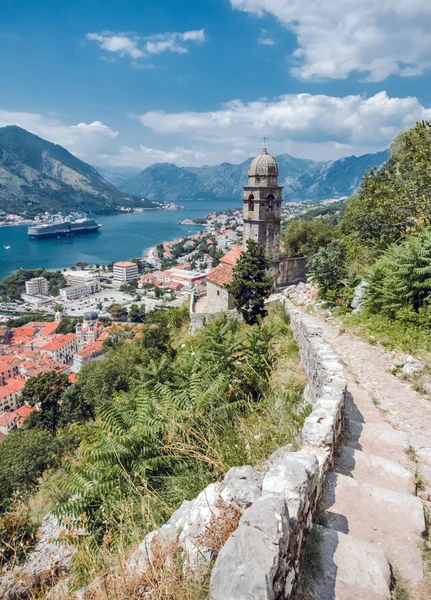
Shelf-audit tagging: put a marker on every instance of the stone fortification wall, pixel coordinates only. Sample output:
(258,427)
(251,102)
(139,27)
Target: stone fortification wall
(261,559)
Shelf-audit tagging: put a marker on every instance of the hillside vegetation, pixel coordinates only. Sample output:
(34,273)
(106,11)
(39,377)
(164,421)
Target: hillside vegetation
(150,426)
(382,237)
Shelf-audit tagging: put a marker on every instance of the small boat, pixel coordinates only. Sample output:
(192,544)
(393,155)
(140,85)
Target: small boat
(6,247)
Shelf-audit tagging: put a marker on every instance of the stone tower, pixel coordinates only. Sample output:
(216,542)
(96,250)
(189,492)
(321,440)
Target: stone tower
(262,204)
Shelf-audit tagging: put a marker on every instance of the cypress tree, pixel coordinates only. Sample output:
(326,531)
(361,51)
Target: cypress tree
(250,284)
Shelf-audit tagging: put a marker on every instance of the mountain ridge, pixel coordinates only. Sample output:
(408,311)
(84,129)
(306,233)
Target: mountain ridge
(37,175)
(303,179)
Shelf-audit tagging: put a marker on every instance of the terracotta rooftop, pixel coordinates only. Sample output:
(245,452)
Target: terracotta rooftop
(7,418)
(125,263)
(221,275)
(232,257)
(60,341)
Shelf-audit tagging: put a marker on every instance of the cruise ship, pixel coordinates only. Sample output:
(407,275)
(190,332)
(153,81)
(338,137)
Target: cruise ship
(63,227)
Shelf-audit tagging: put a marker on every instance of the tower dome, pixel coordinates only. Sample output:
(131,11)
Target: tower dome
(263,165)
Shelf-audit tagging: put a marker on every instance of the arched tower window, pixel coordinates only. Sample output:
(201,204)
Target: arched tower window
(251,203)
(270,197)
(251,197)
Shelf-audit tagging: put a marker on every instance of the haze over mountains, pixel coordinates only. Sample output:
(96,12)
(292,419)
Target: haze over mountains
(36,175)
(302,179)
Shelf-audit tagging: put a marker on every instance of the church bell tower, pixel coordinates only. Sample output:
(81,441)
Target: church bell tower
(262,204)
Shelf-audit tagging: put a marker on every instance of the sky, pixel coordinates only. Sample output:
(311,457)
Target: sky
(197,82)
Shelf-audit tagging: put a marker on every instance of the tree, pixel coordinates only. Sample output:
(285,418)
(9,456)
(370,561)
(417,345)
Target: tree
(250,284)
(117,312)
(24,456)
(58,308)
(81,264)
(45,392)
(328,268)
(304,238)
(158,292)
(137,313)
(394,200)
(75,408)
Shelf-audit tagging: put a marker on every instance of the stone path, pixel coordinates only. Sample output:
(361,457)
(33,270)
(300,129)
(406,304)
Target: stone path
(373,511)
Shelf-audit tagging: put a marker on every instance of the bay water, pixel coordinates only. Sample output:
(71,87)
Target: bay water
(122,237)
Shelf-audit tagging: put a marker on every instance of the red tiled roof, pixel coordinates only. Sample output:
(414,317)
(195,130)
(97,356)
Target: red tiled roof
(125,263)
(221,275)
(73,377)
(7,418)
(49,328)
(60,341)
(232,257)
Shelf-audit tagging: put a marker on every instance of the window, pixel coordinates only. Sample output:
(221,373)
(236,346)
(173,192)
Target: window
(218,292)
(251,206)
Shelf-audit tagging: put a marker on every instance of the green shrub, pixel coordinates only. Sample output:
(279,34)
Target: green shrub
(305,238)
(329,270)
(400,281)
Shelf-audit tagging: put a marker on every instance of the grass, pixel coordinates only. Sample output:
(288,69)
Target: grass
(392,334)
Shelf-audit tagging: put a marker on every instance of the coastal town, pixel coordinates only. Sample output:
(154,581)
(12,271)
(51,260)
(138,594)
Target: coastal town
(104,298)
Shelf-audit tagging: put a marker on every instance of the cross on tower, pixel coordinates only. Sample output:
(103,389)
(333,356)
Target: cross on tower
(265,139)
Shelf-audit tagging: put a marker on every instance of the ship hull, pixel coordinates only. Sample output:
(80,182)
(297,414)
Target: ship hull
(63,233)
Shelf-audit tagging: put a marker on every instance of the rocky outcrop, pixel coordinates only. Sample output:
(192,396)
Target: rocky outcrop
(261,559)
(44,565)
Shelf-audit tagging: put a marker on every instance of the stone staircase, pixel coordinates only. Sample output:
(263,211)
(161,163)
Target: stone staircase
(373,521)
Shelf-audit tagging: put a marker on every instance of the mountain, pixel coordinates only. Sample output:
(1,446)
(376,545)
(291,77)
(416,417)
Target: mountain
(334,179)
(36,175)
(303,179)
(118,175)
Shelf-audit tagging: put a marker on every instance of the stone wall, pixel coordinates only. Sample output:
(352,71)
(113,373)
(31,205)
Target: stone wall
(288,271)
(261,559)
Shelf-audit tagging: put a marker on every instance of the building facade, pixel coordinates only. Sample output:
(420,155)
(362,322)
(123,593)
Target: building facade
(80,290)
(262,204)
(125,272)
(38,286)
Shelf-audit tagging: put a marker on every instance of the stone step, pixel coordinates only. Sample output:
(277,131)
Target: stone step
(351,569)
(368,468)
(359,406)
(379,439)
(374,514)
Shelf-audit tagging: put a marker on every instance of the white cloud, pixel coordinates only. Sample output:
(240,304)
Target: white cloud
(139,47)
(143,156)
(357,121)
(265,39)
(120,43)
(336,37)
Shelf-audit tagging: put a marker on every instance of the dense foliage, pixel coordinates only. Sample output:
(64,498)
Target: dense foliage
(178,427)
(395,199)
(304,238)
(328,269)
(399,282)
(250,284)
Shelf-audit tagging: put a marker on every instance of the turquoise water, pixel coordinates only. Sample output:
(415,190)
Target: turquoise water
(121,237)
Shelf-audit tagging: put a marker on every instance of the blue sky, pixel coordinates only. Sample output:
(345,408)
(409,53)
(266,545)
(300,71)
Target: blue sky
(200,82)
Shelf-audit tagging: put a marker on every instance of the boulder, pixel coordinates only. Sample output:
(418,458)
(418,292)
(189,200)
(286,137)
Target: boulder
(358,297)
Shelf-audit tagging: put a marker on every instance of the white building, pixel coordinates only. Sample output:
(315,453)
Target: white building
(80,290)
(62,348)
(125,272)
(38,286)
(79,277)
